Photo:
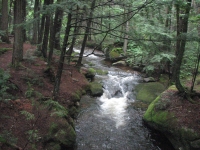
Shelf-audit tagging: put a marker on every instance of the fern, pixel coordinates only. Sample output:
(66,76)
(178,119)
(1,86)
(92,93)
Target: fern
(59,110)
(29,116)
(4,86)
(30,91)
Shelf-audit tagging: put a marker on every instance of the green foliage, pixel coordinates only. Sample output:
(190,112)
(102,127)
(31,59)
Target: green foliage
(58,109)
(33,137)
(7,137)
(30,91)
(28,115)
(5,86)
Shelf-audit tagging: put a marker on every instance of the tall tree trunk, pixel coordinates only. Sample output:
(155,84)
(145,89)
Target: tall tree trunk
(53,31)
(41,30)
(17,55)
(46,32)
(62,57)
(181,42)
(57,28)
(36,22)
(4,22)
(86,33)
(76,31)
(24,19)
(126,38)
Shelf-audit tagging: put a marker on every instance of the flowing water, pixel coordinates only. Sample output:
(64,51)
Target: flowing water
(110,122)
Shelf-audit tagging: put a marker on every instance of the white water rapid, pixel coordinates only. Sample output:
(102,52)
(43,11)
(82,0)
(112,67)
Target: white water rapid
(116,97)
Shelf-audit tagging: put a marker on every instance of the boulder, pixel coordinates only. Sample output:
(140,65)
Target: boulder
(161,116)
(147,92)
(88,73)
(96,89)
(61,135)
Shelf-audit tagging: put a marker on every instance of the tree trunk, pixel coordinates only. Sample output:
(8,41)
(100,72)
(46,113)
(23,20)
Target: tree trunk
(126,38)
(4,22)
(181,42)
(76,31)
(17,55)
(46,32)
(57,28)
(86,33)
(36,23)
(53,31)
(62,57)
(24,19)
(41,31)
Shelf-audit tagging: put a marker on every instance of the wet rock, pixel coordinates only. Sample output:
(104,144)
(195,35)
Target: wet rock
(119,63)
(96,89)
(149,79)
(88,73)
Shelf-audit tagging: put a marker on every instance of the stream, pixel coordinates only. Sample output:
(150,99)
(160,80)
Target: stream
(110,122)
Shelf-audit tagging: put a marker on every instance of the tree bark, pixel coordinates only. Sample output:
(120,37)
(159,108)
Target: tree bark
(36,22)
(41,30)
(24,19)
(87,30)
(62,58)
(46,32)
(53,31)
(4,22)
(18,33)
(181,42)
(57,28)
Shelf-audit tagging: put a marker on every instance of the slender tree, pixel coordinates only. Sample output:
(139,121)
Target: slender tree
(36,22)
(18,33)
(87,30)
(62,57)
(46,31)
(182,28)
(4,22)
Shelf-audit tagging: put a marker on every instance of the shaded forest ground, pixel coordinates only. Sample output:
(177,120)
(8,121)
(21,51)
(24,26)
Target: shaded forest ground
(32,84)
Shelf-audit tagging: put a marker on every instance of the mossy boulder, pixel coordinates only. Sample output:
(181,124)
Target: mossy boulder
(61,135)
(159,117)
(96,89)
(147,92)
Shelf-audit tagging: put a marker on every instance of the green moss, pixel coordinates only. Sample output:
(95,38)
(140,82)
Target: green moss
(98,71)
(114,54)
(188,134)
(92,70)
(147,92)
(77,95)
(118,50)
(96,89)
(162,118)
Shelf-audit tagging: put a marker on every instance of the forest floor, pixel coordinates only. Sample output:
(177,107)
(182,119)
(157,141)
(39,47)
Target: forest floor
(31,81)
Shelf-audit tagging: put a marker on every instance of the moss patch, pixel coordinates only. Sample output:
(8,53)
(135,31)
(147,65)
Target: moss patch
(147,92)
(96,89)
(158,117)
